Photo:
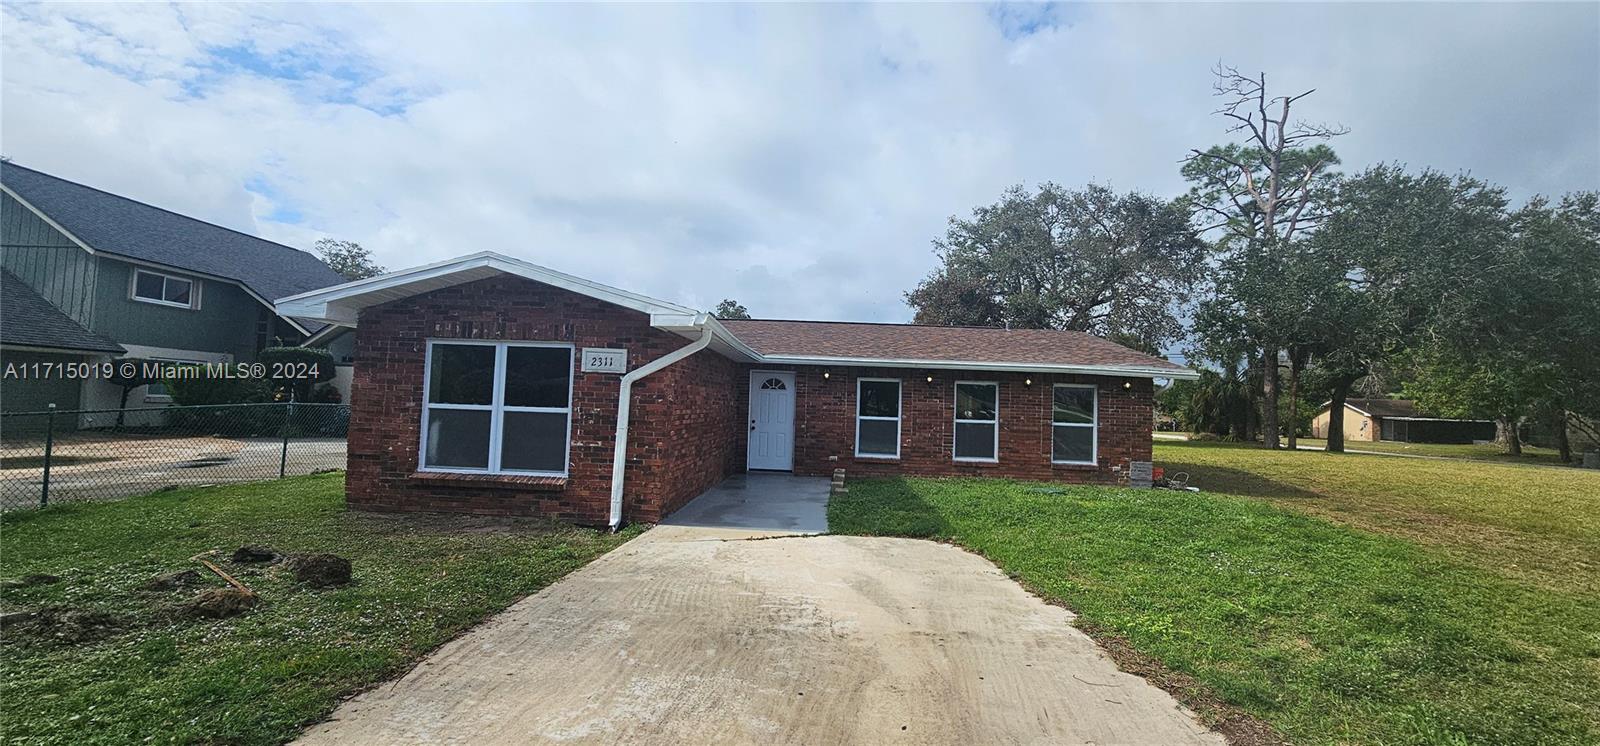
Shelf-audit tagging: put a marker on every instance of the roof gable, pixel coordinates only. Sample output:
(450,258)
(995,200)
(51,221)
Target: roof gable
(1384,407)
(119,225)
(341,302)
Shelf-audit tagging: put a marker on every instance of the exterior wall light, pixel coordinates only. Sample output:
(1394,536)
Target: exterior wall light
(826,374)
(1027,381)
(930,378)
(1127,384)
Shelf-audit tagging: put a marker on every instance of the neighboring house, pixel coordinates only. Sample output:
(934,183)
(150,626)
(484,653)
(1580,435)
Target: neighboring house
(91,276)
(1399,419)
(490,385)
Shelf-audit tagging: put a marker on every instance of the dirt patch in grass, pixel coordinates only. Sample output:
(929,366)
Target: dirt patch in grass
(61,624)
(259,676)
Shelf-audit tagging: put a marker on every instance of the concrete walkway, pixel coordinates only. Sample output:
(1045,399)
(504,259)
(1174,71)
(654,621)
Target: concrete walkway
(756,505)
(682,636)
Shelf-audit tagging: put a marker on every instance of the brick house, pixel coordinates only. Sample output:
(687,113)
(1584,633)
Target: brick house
(490,385)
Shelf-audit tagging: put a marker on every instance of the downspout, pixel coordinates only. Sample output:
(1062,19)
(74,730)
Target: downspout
(619,457)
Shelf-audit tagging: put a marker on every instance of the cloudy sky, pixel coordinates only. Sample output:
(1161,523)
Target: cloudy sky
(798,158)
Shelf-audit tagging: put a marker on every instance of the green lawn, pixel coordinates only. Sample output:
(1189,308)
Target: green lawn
(1530,454)
(1531,524)
(257,678)
(1331,633)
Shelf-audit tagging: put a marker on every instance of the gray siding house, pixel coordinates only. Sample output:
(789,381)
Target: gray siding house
(91,276)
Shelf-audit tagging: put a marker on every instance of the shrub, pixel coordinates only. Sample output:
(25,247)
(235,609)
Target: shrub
(198,390)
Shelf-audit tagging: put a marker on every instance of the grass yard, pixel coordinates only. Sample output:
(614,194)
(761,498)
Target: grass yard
(1490,452)
(1531,524)
(1307,597)
(256,678)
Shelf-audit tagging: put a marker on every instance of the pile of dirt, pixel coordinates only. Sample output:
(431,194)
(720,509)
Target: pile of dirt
(319,570)
(255,554)
(26,581)
(173,581)
(61,624)
(219,603)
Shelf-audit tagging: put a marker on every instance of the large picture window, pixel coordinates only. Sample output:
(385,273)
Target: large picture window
(977,421)
(166,290)
(878,417)
(497,407)
(1072,424)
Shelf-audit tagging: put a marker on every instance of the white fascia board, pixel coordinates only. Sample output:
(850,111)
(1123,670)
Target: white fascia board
(690,325)
(1353,408)
(59,350)
(1090,370)
(339,303)
(1436,419)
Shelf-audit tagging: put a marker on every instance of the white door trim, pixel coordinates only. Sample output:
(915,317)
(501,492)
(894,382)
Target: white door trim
(770,462)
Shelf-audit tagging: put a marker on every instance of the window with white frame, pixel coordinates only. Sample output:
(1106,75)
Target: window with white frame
(497,407)
(878,417)
(977,436)
(1072,424)
(166,290)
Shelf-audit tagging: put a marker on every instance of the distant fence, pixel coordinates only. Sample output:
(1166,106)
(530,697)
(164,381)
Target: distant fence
(58,456)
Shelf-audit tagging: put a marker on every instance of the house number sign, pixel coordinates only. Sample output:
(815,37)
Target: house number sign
(604,360)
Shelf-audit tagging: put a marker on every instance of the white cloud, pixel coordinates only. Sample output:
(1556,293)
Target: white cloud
(799,158)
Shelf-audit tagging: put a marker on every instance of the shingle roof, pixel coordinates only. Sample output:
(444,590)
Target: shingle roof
(28,320)
(1385,407)
(938,343)
(118,225)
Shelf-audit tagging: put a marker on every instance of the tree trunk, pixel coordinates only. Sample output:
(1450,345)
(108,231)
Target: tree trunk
(1562,443)
(1341,389)
(1294,400)
(122,407)
(1269,398)
(1506,435)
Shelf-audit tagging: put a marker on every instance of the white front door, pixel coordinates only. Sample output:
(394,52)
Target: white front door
(771,420)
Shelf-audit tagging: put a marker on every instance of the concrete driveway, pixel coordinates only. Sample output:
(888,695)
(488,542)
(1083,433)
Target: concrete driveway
(690,634)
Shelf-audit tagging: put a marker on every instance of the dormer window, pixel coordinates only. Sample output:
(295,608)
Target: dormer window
(166,290)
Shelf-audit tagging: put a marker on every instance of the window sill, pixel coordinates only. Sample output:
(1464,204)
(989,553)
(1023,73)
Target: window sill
(880,459)
(982,463)
(167,303)
(491,481)
(1073,465)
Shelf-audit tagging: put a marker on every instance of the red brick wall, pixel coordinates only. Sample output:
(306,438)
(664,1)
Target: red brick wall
(825,424)
(662,473)
(685,429)
(688,425)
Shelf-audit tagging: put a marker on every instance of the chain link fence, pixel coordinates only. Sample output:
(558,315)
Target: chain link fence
(59,456)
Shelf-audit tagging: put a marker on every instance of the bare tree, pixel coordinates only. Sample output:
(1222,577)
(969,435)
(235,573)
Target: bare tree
(1261,194)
